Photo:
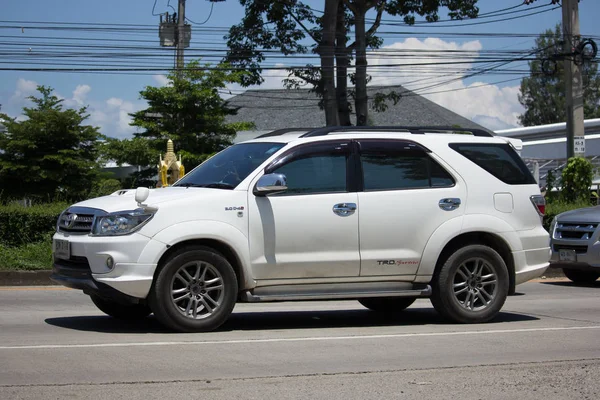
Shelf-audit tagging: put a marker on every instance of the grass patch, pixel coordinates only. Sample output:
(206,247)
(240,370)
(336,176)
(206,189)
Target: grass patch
(27,257)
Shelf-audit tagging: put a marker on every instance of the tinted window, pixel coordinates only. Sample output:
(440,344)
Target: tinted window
(439,176)
(320,173)
(409,170)
(499,160)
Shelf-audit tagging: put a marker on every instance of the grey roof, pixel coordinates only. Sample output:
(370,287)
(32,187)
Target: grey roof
(281,108)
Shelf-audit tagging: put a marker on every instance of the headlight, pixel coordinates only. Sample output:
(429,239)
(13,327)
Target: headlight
(59,219)
(552,226)
(121,223)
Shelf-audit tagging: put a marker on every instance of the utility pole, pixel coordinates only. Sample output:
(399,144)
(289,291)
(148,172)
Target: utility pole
(573,78)
(180,35)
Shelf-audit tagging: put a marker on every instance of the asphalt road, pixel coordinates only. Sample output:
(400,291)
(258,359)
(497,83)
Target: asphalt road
(545,344)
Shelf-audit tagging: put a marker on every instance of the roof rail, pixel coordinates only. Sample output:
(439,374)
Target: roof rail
(412,129)
(280,132)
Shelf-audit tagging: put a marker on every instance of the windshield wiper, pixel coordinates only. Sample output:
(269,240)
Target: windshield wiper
(214,185)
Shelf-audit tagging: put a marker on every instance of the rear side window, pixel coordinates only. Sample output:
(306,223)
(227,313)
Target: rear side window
(499,160)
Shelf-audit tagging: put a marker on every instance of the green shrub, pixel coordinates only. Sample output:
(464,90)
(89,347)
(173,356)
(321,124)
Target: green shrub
(558,207)
(105,187)
(576,180)
(23,225)
(28,257)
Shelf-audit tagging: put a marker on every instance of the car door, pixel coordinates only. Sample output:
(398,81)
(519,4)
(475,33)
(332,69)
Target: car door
(311,229)
(406,195)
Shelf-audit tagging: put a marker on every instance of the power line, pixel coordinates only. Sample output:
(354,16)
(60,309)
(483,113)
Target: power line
(153,7)
(207,18)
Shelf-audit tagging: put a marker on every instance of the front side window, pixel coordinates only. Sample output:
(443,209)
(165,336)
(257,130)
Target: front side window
(231,166)
(317,173)
(402,170)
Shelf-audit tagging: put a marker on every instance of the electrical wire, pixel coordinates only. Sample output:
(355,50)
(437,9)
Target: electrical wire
(169,5)
(153,7)
(207,18)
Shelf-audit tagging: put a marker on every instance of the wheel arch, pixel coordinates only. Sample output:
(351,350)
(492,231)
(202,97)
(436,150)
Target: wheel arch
(488,239)
(220,247)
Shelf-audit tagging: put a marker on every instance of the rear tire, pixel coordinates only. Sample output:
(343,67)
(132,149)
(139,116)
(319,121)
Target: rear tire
(579,276)
(194,291)
(387,304)
(121,311)
(471,286)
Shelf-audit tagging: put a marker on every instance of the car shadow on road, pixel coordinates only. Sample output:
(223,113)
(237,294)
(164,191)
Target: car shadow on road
(280,320)
(572,284)
(346,319)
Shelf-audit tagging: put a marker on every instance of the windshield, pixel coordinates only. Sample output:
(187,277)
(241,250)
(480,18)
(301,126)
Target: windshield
(228,168)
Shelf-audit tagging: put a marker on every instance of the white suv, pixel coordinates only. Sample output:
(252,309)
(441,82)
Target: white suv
(381,215)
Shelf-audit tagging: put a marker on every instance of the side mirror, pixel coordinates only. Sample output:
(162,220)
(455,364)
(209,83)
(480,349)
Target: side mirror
(269,184)
(141,194)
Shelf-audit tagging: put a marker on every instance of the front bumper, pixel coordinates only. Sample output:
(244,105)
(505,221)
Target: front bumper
(135,258)
(587,255)
(75,275)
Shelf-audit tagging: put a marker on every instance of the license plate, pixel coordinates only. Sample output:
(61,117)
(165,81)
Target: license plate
(567,255)
(62,248)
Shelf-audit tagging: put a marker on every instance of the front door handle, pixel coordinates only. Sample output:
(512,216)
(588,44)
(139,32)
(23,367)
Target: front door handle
(344,209)
(449,204)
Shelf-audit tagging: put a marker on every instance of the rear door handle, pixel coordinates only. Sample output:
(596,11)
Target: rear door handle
(344,209)
(449,204)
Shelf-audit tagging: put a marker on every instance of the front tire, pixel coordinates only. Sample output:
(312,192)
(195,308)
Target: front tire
(387,304)
(121,311)
(471,286)
(579,276)
(194,291)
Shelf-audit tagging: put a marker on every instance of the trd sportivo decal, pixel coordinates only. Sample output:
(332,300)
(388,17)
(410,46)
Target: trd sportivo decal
(241,208)
(397,262)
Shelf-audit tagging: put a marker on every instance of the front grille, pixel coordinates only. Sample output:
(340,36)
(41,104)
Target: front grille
(75,262)
(578,249)
(576,231)
(78,220)
(71,222)
(74,267)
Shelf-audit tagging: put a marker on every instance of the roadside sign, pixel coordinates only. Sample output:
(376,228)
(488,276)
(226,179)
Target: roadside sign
(580,145)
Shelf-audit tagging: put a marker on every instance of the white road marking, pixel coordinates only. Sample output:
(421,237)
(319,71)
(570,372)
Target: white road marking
(299,339)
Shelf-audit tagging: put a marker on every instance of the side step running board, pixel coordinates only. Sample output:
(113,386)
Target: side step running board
(298,294)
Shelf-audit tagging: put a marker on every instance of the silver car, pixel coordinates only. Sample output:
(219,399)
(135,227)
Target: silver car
(575,240)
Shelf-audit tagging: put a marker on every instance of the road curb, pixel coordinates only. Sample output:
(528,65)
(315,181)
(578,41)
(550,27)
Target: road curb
(554,272)
(25,278)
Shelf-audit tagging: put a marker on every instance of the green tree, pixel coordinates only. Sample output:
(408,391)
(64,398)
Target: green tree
(576,180)
(49,155)
(136,151)
(188,110)
(543,94)
(287,25)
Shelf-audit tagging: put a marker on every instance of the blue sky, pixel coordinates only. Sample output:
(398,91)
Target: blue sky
(112,97)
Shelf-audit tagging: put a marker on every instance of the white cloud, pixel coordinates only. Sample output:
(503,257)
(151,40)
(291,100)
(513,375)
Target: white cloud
(24,89)
(80,93)
(162,80)
(78,97)
(114,102)
(111,115)
(420,62)
(443,84)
